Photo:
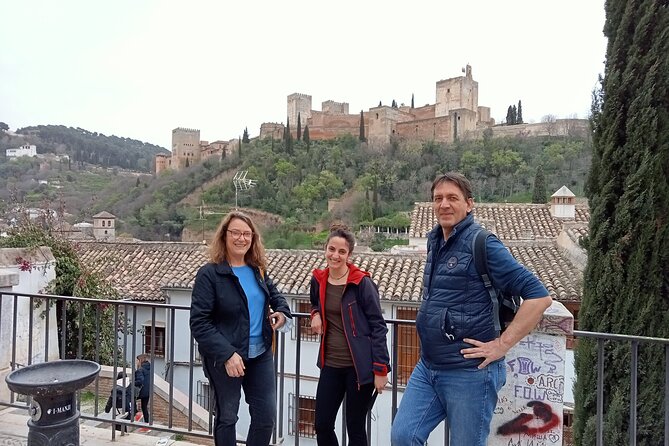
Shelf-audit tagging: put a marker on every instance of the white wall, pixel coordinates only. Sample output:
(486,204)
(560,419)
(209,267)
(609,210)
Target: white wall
(30,281)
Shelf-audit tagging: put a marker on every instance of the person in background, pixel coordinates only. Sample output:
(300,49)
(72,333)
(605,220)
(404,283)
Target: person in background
(144,380)
(461,367)
(353,355)
(235,308)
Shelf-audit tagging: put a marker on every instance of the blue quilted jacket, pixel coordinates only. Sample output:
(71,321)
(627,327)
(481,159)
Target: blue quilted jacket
(455,303)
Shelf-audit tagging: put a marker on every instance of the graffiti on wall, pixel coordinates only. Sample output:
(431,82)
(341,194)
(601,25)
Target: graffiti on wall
(529,406)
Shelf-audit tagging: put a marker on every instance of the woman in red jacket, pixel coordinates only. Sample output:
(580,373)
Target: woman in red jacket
(353,355)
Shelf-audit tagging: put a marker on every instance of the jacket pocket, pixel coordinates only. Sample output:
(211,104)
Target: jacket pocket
(352,318)
(449,327)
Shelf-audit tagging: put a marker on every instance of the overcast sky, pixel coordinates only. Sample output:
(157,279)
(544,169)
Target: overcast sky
(138,69)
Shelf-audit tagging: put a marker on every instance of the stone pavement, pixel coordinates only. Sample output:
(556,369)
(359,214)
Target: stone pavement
(14,432)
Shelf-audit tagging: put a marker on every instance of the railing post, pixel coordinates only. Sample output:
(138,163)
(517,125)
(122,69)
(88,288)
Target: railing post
(296,415)
(633,390)
(666,395)
(600,392)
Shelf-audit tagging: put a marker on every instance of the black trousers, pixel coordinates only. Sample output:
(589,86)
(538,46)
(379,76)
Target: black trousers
(333,384)
(145,408)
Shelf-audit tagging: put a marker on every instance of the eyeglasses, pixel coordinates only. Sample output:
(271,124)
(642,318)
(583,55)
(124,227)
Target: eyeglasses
(236,234)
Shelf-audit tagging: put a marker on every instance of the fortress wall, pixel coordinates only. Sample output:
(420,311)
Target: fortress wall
(426,129)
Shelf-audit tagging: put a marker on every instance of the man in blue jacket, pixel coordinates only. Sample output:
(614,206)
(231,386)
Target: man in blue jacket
(461,367)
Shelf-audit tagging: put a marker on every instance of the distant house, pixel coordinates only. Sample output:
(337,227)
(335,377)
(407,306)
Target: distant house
(104,226)
(24,150)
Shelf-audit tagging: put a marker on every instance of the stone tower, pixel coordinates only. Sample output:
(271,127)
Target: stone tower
(185,146)
(298,103)
(457,93)
(104,226)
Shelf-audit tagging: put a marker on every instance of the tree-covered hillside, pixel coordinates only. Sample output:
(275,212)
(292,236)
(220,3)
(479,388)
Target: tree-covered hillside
(90,147)
(296,179)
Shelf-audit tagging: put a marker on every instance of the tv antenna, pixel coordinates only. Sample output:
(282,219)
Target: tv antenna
(242,183)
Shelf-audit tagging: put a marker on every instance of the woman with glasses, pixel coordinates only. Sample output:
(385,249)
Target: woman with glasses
(235,308)
(353,355)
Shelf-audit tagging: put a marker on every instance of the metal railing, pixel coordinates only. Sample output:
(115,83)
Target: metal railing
(79,325)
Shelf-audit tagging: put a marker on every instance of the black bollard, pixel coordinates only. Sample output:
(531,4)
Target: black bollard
(54,418)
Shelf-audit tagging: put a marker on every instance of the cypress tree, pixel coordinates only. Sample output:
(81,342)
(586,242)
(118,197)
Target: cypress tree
(299,127)
(519,115)
(305,137)
(514,114)
(539,192)
(380,104)
(245,136)
(626,289)
(362,128)
(288,138)
(411,100)
(239,148)
(509,116)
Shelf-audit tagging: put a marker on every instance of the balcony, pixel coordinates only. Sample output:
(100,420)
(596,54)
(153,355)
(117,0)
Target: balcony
(37,327)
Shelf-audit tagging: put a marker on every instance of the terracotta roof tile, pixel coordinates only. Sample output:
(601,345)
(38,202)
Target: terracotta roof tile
(140,270)
(509,221)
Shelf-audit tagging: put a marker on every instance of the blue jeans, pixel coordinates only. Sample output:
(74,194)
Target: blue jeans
(467,397)
(260,394)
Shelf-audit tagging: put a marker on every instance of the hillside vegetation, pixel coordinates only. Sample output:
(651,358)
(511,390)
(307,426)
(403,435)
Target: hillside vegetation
(83,146)
(295,180)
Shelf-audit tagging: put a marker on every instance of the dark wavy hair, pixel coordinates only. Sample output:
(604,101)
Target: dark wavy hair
(341,230)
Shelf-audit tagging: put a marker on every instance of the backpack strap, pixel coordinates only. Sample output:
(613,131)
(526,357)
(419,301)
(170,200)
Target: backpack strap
(481,262)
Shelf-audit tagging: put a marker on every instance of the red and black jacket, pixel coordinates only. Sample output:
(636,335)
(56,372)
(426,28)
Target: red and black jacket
(364,326)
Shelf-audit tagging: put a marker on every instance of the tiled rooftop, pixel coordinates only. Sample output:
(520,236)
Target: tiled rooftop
(509,221)
(140,269)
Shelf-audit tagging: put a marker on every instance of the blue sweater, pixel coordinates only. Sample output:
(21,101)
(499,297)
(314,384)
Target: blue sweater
(455,303)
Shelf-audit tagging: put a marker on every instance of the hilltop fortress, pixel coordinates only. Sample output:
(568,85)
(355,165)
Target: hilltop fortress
(456,114)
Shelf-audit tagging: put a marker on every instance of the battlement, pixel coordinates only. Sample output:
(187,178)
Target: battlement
(184,130)
(332,107)
(299,96)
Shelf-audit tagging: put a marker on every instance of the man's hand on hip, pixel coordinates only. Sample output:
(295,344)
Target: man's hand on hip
(490,351)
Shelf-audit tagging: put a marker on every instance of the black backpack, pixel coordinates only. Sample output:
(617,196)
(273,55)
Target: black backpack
(505,306)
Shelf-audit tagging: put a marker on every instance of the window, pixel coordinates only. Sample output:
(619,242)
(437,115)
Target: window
(306,416)
(304,306)
(109,223)
(103,223)
(203,396)
(154,338)
(408,347)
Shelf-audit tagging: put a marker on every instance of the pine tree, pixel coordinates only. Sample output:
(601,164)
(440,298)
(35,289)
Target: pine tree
(362,128)
(519,115)
(411,100)
(625,282)
(539,192)
(245,136)
(299,127)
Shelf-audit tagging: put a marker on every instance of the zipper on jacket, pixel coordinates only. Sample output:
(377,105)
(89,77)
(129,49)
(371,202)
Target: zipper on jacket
(350,314)
(355,367)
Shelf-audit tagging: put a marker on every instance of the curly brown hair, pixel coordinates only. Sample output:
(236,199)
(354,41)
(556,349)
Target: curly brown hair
(341,230)
(255,256)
